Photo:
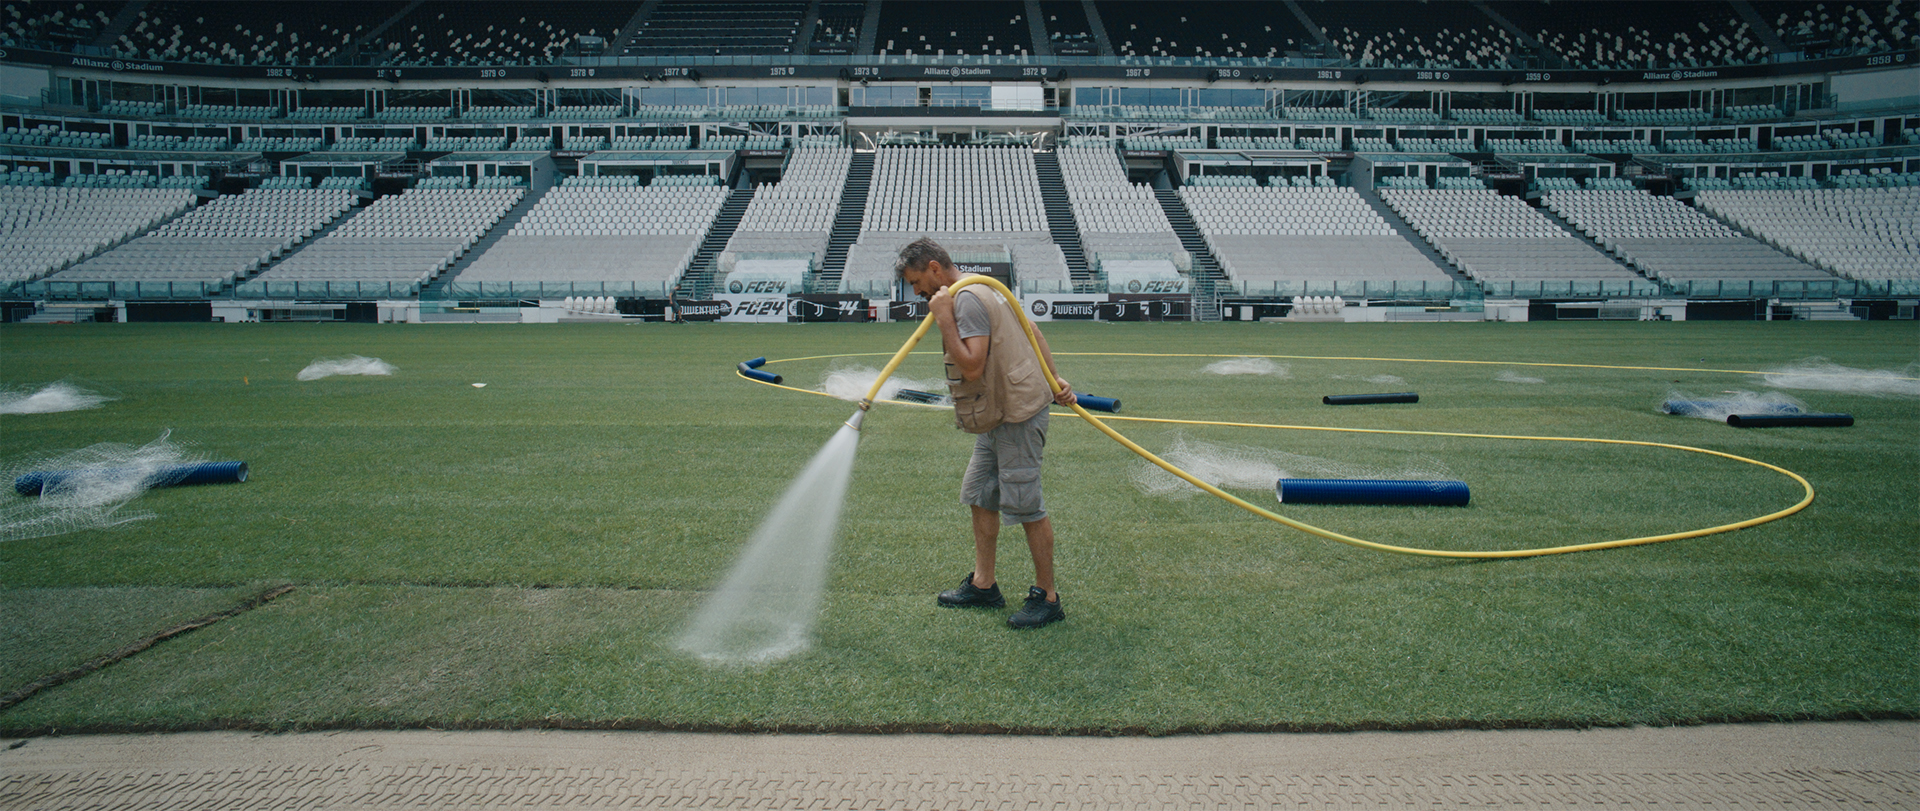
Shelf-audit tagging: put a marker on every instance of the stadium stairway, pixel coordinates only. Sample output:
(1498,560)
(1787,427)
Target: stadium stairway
(434,288)
(329,228)
(1406,232)
(846,222)
(1060,219)
(697,281)
(1207,276)
(1555,218)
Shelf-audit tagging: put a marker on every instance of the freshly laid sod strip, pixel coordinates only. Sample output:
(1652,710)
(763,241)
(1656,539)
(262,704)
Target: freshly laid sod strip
(523,554)
(95,664)
(49,631)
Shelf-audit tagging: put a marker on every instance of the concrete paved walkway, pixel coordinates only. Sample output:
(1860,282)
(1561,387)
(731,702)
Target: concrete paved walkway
(1773,766)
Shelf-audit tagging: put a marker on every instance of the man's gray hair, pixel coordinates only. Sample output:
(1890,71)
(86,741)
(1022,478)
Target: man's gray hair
(917,254)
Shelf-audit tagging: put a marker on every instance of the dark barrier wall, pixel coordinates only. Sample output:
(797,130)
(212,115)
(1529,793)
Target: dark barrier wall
(199,311)
(1725,310)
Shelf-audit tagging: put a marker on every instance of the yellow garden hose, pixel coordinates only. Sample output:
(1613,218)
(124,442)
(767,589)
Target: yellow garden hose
(1098,423)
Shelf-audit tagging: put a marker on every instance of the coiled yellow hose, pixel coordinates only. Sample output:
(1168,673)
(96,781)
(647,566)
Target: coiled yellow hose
(1027,326)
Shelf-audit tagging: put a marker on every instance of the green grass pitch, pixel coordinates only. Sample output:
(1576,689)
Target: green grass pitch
(522,554)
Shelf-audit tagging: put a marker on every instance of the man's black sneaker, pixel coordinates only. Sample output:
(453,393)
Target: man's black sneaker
(1038,611)
(970,596)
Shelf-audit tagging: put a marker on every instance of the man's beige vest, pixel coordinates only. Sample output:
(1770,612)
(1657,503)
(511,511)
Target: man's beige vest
(1013,388)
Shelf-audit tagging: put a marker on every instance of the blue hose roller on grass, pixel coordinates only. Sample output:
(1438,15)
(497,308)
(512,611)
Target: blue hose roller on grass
(1369,399)
(1438,493)
(33,484)
(751,369)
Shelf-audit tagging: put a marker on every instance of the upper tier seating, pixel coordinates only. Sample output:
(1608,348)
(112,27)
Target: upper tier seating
(44,229)
(1628,34)
(219,242)
(1670,241)
(642,143)
(391,144)
(1396,33)
(1069,33)
(980,27)
(1570,117)
(448,32)
(22,176)
(1497,238)
(469,144)
(320,114)
(1605,147)
(1231,142)
(617,234)
(838,30)
(1191,29)
(715,28)
(1523,146)
(251,33)
(401,241)
(596,112)
(1268,234)
(1404,115)
(61,23)
(1843,28)
(795,215)
(133,109)
(1446,145)
(1480,116)
(1669,117)
(1869,234)
(498,113)
(1753,112)
(227,112)
(400,115)
(50,135)
(1631,34)
(281,145)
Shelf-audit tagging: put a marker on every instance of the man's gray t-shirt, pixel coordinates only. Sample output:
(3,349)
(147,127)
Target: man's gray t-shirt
(970,314)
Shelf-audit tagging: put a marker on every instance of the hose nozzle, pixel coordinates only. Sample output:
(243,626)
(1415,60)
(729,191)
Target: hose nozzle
(858,417)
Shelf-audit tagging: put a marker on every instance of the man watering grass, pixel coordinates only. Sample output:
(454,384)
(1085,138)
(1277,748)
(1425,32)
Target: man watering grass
(1000,394)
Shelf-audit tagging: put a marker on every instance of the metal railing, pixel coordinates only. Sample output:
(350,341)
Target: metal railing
(1376,291)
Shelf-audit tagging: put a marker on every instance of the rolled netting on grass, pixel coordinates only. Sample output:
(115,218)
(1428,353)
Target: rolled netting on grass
(102,481)
(1720,405)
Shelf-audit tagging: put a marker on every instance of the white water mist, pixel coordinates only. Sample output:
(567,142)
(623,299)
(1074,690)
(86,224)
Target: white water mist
(349,365)
(765,608)
(55,397)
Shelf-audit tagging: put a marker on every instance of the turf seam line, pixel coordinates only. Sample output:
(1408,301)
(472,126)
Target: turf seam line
(101,662)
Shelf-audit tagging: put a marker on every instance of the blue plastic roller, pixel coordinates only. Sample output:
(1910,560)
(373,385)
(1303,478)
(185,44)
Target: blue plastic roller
(756,374)
(1092,403)
(1442,493)
(32,484)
